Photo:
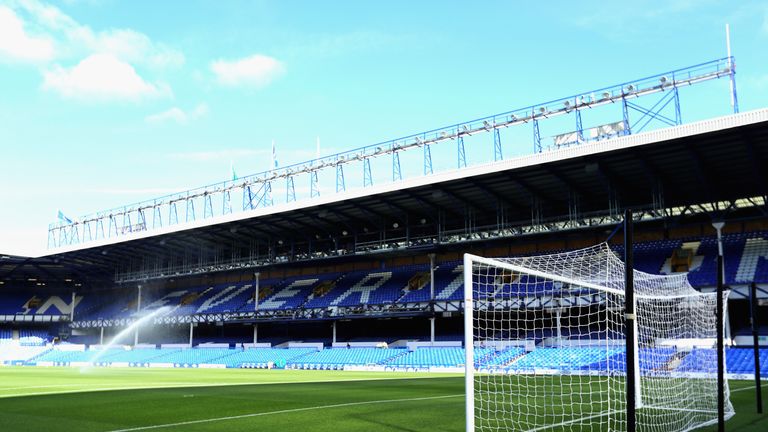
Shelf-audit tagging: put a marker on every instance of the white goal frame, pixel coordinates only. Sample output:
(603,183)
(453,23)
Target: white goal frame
(469,329)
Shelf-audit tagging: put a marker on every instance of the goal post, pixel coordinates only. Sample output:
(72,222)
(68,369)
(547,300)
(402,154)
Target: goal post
(546,346)
(469,341)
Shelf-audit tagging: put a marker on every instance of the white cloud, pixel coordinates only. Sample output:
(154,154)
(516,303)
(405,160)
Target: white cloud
(178,115)
(255,71)
(765,21)
(101,77)
(78,62)
(326,45)
(173,114)
(17,45)
(132,46)
(75,39)
(200,110)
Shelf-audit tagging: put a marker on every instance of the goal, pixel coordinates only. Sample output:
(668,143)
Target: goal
(546,346)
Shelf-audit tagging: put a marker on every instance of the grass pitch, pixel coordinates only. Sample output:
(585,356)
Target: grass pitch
(68,399)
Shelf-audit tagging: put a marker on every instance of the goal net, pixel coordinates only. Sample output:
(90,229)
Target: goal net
(546,346)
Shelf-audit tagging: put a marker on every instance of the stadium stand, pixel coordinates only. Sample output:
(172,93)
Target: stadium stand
(564,358)
(12,352)
(739,360)
(344,356)
(397,285)
(425,357)
(140,355)
(193,356)
(693,361)
(401,285)
(742,361)
(261,357)
(363,287)
(498,359)
(64,357)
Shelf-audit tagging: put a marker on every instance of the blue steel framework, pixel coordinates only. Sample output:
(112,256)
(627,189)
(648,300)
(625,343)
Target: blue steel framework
(256,189)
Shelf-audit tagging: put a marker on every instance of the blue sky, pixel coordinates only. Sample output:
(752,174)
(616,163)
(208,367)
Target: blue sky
(106,102)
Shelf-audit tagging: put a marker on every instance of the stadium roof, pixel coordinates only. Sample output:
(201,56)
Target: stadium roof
(710,161)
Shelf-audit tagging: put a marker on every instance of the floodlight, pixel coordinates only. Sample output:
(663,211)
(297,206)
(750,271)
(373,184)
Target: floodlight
(423,221)
(395,225)
(567,104)
(280,242)
(444,134)
(513,117)
(606,95)
(486,124)
(344,232)
(543,110)
(630,88)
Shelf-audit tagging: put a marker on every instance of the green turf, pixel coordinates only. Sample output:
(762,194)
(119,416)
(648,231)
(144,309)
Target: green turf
(67,399)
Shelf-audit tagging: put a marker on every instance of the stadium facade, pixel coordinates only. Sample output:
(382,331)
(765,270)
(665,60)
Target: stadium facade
(381,263)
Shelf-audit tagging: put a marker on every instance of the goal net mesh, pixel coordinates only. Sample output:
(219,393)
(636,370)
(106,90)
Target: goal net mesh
(548,349)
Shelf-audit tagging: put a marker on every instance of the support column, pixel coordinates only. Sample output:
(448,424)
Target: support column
(756,345)
(432,331)
(256,291)
(72,308)
(432,277)
(101,336)
(191,333)
(432,298)
(138,309)
(255,334)
(334,332)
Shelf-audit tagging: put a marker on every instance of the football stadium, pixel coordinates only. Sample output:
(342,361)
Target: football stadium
(611,277)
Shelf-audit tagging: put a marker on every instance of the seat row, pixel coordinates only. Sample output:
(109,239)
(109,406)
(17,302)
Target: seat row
(591,358)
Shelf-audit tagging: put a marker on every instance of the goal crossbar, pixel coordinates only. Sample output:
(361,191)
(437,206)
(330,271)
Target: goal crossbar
(558,278)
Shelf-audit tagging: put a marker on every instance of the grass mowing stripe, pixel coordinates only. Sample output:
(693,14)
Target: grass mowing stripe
(285,411)
(184,385)
(44,386)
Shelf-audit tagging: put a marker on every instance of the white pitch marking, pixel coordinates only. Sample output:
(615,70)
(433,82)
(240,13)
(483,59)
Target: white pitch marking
(748,388)
(185,385)
(292,410)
